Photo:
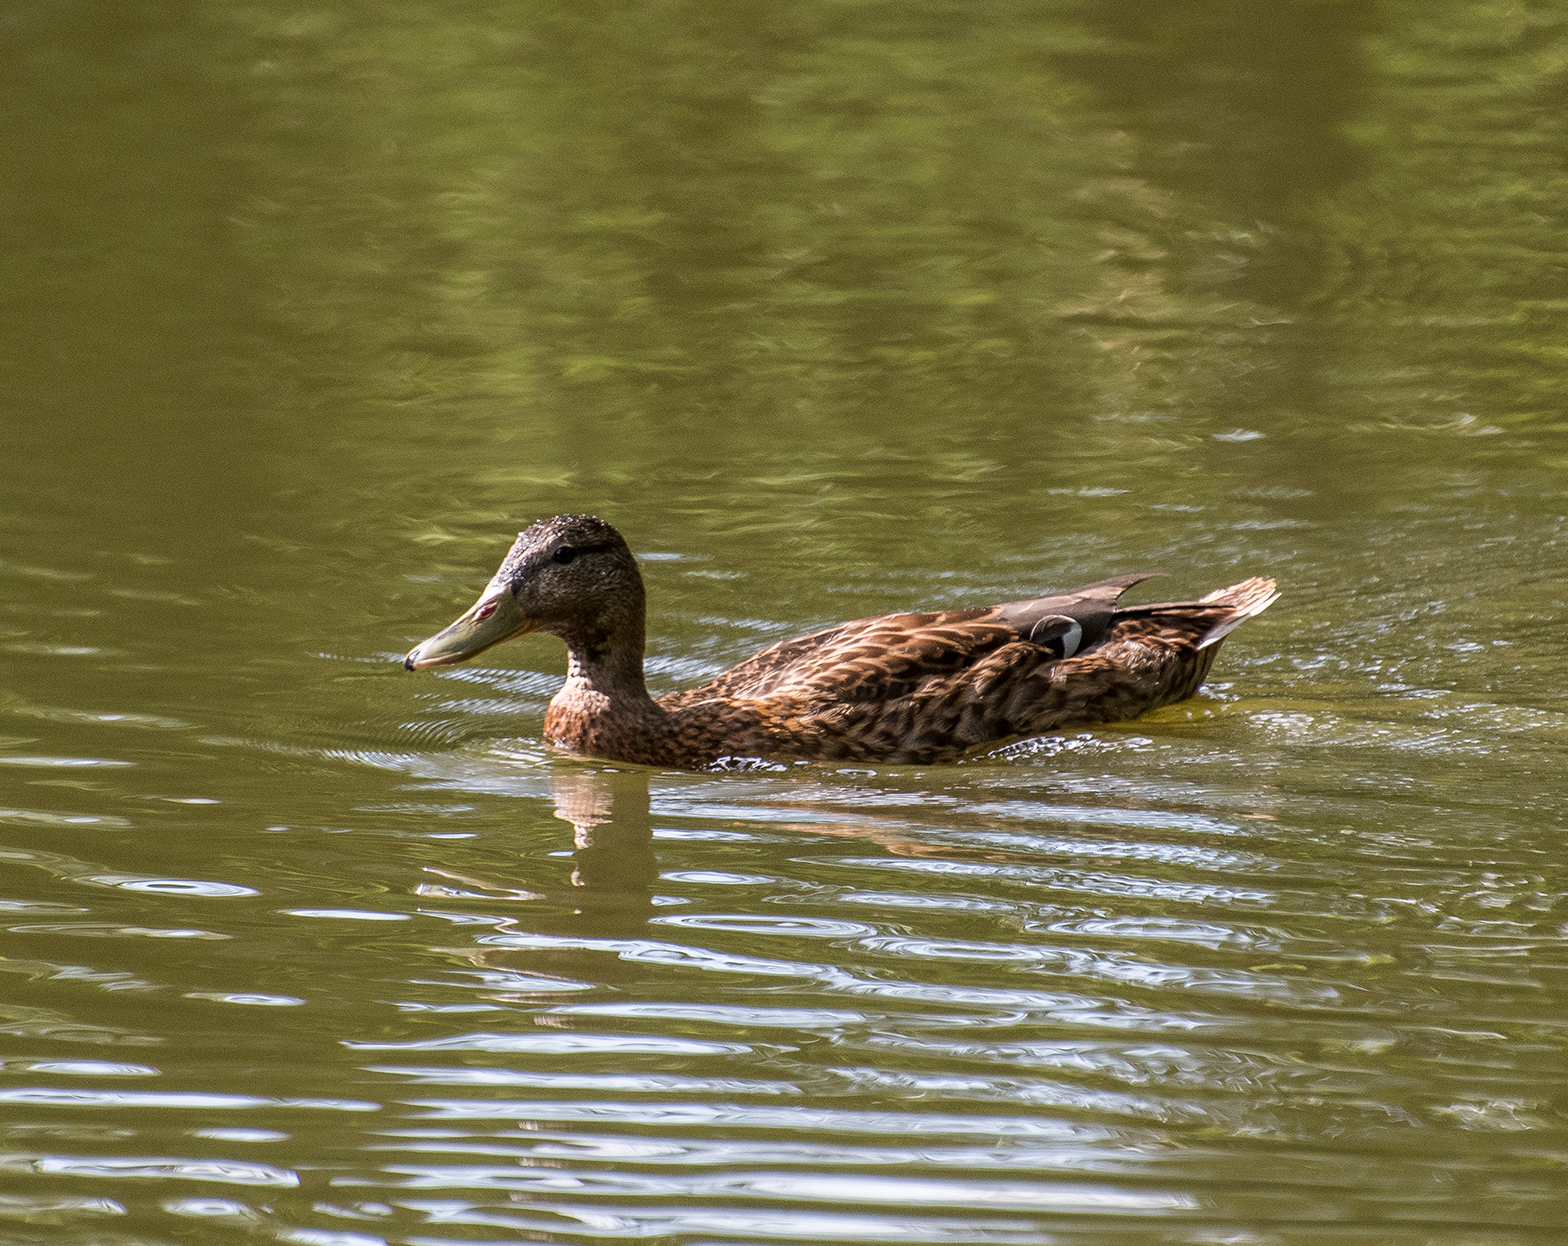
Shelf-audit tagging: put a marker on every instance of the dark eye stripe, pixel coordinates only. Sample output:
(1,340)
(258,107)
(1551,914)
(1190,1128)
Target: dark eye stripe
(567,553)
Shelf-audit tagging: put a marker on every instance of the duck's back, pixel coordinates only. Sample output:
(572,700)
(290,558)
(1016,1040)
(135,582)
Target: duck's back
(928,687)
(859,660)
(890,655)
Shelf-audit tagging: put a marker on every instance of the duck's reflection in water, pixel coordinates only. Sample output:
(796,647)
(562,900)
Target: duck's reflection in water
(612,823)
(609,895)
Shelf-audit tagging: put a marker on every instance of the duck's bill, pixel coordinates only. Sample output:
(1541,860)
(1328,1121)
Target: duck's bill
(493,618)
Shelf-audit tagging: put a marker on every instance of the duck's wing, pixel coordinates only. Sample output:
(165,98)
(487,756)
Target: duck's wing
(892,655)
(1090,607)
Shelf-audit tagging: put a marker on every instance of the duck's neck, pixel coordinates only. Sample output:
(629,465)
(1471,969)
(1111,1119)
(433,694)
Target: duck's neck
(606,659)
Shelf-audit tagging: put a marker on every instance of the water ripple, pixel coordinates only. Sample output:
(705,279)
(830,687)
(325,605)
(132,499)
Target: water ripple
(1114,967)
(642,1083)
(121,1167)
(810,927)
(108,930)
(43,1209)
(738,1015)
(47,818)
(833,1189)
(43,1096)
(73,870)
(759,1116)
(1088,815)
(802,1226)
(562,1044)
(79,1068)
(63,762)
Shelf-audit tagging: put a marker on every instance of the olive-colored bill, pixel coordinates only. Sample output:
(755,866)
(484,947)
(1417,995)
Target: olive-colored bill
(492,619)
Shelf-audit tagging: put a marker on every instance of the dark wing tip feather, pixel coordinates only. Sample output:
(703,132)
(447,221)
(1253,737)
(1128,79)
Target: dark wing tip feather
(1123,582)
(1091,605)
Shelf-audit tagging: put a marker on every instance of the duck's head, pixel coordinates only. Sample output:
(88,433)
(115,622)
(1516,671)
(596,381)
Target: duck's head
(572,575)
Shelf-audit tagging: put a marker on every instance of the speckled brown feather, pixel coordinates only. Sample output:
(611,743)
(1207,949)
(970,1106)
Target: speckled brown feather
(913,688)
(1002,687)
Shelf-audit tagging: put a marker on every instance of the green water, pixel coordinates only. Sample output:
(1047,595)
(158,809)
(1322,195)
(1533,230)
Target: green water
(833,309)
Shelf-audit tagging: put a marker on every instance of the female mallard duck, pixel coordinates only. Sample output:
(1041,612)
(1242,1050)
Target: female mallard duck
(901,688)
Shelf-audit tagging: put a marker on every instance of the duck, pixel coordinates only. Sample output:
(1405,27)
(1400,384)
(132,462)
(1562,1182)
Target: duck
(918,688)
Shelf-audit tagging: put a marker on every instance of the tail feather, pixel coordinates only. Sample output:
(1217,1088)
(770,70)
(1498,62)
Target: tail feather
(1246,599)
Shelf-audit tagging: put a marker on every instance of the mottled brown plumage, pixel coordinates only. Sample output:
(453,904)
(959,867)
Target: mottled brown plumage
(900,688)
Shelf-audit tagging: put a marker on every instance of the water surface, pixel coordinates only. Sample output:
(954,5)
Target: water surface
(834,309)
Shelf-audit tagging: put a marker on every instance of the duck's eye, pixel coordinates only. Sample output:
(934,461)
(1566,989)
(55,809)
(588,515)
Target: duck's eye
(486,610)
(564,555)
